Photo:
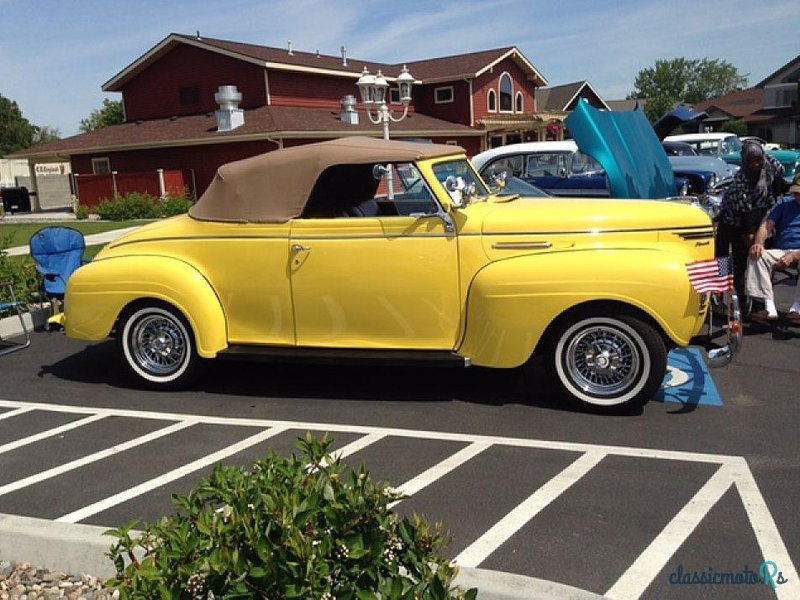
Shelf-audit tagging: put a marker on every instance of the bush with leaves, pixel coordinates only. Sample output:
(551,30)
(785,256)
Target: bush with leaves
(81,212)
(142,206)
(298,527)
(21,272)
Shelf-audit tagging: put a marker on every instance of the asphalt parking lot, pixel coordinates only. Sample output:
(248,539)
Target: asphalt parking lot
(618,505)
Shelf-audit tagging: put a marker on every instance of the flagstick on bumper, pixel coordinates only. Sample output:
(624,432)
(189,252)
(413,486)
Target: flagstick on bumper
(715,276)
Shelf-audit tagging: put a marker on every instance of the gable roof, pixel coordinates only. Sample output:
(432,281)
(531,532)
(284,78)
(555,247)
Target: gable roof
(562,97)
(260,123)
(792,74)
(736,104)
(433,70)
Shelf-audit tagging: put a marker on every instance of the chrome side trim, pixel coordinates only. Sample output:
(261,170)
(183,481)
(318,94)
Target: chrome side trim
(520,245)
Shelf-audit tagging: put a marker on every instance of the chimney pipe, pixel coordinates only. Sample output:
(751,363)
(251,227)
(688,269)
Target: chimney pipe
(349,114)
(229,116)
(290,48)
(344,56)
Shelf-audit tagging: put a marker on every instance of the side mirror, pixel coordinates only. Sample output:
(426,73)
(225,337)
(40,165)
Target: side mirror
(379,171)
(562,172)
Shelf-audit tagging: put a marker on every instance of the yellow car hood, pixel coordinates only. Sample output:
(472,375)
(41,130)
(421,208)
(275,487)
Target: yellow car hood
(562,215)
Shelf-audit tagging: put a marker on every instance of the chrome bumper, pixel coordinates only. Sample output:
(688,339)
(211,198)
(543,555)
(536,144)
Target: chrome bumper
(724,340)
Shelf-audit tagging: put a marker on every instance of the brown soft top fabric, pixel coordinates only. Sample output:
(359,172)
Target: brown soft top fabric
(274,187)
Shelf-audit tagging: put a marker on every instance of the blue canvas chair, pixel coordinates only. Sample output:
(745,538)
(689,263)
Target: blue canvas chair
(6,346)
(58,252)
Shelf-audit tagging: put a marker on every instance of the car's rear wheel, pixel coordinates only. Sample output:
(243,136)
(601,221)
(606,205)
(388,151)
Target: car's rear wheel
(157,345)
(608,362)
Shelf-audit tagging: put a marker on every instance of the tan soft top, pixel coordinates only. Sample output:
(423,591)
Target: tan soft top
(274,187)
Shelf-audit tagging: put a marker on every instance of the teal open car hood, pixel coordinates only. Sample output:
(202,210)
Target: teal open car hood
(626,146)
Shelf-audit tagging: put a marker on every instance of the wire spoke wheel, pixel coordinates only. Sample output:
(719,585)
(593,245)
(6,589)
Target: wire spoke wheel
(609,361)
(158,346)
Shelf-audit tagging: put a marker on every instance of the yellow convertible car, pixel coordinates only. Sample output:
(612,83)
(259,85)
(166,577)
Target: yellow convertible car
(373,250)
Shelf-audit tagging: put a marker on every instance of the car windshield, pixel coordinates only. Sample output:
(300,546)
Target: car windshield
(728,145)
(460,169)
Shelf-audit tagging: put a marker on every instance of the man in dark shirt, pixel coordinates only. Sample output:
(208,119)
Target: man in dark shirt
(783,224)
(754,190)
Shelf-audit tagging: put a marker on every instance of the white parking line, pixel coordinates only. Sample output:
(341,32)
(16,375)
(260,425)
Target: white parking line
(649,564)
(501,531)
(733,469)
(15,412)
(85,460)
(439,470)
(49,433)
(157,482)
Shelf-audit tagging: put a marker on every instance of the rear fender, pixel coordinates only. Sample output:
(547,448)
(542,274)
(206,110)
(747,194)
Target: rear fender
(512,302)
(98,292)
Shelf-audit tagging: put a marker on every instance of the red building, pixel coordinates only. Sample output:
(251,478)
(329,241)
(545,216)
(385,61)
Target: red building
(289,98)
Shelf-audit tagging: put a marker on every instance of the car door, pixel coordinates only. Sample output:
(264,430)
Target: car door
(379,281)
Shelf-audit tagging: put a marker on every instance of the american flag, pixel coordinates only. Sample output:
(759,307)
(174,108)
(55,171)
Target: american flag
(714,275)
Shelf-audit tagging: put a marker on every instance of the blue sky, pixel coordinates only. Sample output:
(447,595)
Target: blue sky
(56,54)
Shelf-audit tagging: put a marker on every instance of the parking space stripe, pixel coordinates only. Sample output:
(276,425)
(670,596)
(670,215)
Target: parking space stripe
(649,564)
(437,471)
(49,433)
(80,462)
(17,411)
(501,531)
(157,482)
(767,533)
(358,444)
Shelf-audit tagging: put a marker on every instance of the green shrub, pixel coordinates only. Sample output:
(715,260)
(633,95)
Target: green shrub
(142,206)
(21,271)
(299,527)
(82,212)
(175,205)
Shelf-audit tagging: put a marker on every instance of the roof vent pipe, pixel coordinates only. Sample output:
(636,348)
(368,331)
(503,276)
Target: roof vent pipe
(349,113)
(344,56)
(290,48)
(229,116)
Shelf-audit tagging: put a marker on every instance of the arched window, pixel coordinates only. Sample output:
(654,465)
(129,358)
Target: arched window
(506,93)
(491,101)
(519,105)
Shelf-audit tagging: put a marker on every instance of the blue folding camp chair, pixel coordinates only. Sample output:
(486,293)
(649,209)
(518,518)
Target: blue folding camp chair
(7,346)
(58,252)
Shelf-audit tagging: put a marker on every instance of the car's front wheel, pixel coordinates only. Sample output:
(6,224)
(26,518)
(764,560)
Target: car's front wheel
(157,346)
(610,361)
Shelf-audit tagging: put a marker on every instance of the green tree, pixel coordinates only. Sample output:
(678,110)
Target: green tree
(690,81)
(110,114)
(46,134)
(16,132)
(734,126)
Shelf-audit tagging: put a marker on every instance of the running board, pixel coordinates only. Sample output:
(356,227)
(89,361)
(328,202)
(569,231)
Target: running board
(405,358)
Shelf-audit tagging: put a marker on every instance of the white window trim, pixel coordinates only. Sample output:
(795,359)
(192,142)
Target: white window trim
(489,94)
(103,160)
(500,94)
(519,107)
(446,87)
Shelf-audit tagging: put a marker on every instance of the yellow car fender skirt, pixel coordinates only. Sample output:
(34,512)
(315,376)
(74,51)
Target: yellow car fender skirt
(99,292)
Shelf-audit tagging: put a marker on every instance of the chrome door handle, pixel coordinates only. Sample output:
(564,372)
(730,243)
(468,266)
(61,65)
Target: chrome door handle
(300,248)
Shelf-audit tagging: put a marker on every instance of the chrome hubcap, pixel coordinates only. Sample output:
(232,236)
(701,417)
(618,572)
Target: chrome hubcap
(158,344)
(602,361)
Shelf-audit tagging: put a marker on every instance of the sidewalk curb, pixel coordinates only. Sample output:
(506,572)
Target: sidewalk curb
(35,320)
(79,548)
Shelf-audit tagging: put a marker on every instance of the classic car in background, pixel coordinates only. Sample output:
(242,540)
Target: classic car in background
(559,168)
(718,144)
(790,159)
(377,250)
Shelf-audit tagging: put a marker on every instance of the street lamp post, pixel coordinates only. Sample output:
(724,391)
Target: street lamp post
(374,91)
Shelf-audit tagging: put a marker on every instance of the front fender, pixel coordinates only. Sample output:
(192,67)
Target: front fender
(511,302)
(99,291)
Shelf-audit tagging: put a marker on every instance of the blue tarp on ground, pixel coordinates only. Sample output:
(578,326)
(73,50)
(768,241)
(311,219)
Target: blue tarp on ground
(688,380)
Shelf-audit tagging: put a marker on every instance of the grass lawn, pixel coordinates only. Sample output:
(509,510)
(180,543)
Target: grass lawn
(21,232)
